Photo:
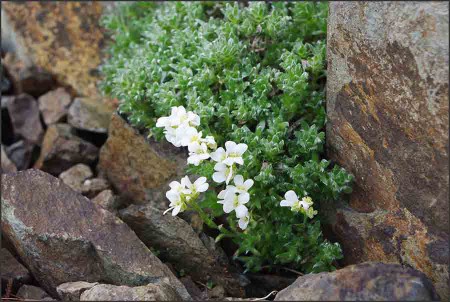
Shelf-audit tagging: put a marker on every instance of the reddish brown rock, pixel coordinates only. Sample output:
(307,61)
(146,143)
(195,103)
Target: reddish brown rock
(139,168)
(363,282)
(178,244)
(54,105)
(63,38)
(63,237)
(387,105)
(61,149)
(24,113)
(31,80)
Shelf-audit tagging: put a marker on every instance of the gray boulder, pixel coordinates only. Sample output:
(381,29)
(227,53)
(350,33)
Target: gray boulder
(62,236)
(362,282)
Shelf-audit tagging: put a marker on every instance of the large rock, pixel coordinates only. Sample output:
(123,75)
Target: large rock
(137,167)
(363,282)
(63,237)
(7,165)
(63,38)
(54,105)
(161,291)
(12,271)
(387,104)
(89,114)
(24,113)
(61,149)
(177,243)
(27,79)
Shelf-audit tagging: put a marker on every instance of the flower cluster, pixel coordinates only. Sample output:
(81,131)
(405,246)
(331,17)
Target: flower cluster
(235,197)
(179,129)
(303,206)
(184,192)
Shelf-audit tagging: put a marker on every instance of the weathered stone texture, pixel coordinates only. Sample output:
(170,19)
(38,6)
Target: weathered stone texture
(62,236)
(63,38)
(137,167)
(387,103)
(363,282)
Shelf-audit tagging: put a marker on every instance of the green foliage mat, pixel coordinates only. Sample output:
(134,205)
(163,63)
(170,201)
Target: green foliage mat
(254,74)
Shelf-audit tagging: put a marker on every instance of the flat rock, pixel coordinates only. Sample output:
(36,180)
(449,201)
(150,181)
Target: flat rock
(161,291)
(178,244)
(71,291)
(61,149)
(388,125)
(107,200)
(31,80)
(63,237)
(64,38)
(75,176)
(139,168)
(24,114)
(30,292)
(362,282)
(89,114)
(12,271)
(7,165)
(20,153)
(54,105)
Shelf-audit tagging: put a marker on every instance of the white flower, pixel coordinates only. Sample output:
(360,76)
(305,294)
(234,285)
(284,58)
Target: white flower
(291,200)
(210,142)
(234,153)
(176,203)
(163,121)
(188,135)
(200,185)
(219,155)
(235,202)
(179,117)
(177,187)
(197,153)
(243,222)
(241,185)
(223,173)
(228,190)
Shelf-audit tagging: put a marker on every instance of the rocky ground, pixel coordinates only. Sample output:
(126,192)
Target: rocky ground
(83,194)
(82,203)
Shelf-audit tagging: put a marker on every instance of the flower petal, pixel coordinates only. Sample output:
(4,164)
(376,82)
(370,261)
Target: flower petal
(230,146)
(241,211)
(248,184)
(228,207)
(285,203)
(243,198)
(238,180)
(176,210)
(243,222)
(199,181)
(241,148)
(203,187)
(291,196)
(219,177)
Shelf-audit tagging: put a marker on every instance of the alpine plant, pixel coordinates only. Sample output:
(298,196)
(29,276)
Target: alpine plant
(239,86)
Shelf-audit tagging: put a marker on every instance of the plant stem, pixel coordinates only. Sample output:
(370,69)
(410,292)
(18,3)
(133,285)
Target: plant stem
(204,216)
